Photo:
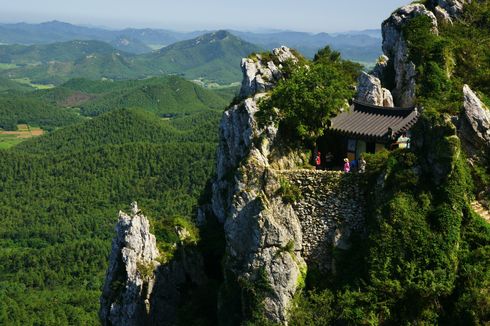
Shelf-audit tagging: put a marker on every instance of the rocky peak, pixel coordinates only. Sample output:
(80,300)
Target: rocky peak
(396,49)
(261,73)
(447,10)
(130,278)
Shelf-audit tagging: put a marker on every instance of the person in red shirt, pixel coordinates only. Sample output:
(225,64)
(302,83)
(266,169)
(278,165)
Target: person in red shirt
(318,160)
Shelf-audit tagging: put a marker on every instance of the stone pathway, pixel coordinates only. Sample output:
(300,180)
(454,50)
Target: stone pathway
(480,210)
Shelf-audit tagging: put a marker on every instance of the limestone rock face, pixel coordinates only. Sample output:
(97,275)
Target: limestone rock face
(369,90)
(257,224)
(261,75)
(267,238)
(237,129)
(474,129)
(130,278)
(395,48)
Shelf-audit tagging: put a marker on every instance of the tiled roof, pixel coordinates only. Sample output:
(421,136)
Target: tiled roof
(374,122)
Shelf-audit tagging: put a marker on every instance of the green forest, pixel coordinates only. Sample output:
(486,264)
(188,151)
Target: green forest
(78,99)
(60,196)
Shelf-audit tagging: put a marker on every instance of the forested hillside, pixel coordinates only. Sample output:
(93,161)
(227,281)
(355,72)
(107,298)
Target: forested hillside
(167,96)
(17,108)
(59,198)
(75,100)
(213,57)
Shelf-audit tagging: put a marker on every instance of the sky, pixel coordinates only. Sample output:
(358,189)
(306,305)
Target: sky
(186,15)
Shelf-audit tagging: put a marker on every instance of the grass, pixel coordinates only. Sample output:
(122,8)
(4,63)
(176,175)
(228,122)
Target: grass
(6,66)
(12,138)
(27,81)
(156,46)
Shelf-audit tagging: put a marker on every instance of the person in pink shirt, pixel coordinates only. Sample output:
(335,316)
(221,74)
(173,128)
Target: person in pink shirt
(346,165)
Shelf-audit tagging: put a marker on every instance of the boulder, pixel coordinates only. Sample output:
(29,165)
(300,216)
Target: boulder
(442,15)
(379,69)
(370,91)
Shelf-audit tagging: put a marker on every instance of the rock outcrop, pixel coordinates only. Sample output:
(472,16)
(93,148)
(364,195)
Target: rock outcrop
(369,90)
(396,49)
(474,125)
(268,239)
(260,74)
(257,224)
(130,278)
(140,287)
(447,10)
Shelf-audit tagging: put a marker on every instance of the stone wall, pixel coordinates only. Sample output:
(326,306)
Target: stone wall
(331,208)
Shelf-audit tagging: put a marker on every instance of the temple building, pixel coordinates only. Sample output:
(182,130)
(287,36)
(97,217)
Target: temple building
(366,128)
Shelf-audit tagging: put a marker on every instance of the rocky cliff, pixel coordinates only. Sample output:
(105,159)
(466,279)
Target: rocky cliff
(396,50)
(393,81)
(131,275)
(270,239)
(140,287)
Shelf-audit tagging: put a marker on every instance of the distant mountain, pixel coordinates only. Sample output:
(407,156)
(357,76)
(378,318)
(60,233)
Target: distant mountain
(358,46)
(355,45)
(169,96)
(375,33)
(130,45)
(59,62)
(63,52)
(55,31)
(214,56)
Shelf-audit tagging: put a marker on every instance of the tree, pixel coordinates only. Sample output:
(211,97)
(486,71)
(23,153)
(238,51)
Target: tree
(303,103)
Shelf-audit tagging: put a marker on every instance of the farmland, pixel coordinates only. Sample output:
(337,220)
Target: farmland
(23,132)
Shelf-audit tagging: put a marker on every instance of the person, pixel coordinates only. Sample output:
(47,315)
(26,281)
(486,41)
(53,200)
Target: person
(362,165)
(318,160)
(403,141)
(346,165)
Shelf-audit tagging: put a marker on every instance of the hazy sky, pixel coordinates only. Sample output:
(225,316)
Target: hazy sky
(303,15)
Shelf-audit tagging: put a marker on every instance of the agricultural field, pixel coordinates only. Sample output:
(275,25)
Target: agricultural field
(23,132)
(27,81)
(6,66)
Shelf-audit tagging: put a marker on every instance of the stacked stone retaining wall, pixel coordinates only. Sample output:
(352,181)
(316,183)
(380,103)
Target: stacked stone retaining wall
(331,207)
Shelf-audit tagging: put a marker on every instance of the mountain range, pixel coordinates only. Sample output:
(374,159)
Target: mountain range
(214,56)
(362,46)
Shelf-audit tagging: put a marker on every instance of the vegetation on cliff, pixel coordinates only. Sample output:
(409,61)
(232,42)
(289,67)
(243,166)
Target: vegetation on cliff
(457,55)
(313,92)
(426,256)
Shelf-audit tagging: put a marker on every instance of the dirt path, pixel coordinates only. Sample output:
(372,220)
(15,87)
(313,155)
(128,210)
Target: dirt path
(480,210)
